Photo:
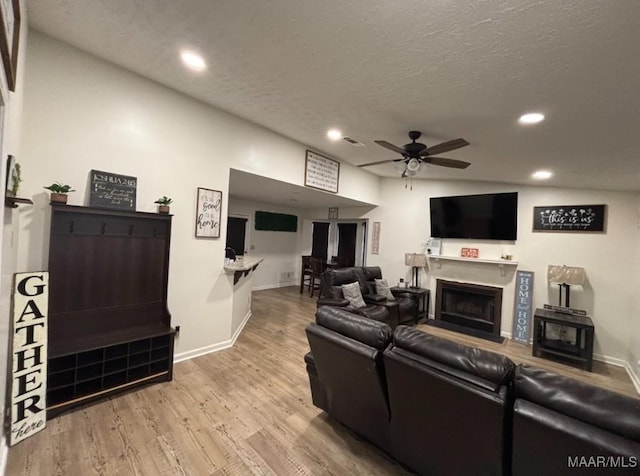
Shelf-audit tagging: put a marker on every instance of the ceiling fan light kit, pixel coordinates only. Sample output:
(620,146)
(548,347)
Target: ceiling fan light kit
(414,154)
(413,165)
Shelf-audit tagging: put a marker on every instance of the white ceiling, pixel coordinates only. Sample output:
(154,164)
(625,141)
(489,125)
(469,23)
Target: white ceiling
(379,68)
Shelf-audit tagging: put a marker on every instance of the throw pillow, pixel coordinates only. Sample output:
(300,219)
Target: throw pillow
(353,294)
(382,288)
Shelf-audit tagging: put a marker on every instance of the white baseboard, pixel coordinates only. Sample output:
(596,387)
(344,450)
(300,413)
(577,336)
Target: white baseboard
(4,453)
(635,378)
(192,354)
(275,286)
(240,327)
(610,360)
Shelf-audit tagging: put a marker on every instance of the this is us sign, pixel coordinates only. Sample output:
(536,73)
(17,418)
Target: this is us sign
(29,370)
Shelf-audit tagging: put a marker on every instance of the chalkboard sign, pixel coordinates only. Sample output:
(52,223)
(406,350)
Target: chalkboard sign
(569,218)
(117,192)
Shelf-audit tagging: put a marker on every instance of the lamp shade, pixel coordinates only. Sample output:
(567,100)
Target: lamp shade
(418,260)
(572,275)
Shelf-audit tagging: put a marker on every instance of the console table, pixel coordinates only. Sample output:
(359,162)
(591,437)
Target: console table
(419,295)
(579,353)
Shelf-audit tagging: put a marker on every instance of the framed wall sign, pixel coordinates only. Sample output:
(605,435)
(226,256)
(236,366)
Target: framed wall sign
(321,172)
(566,218)
(10,39)
(375,238)
(29,366)
(208,210)
(522,307)
(113,191)
(333,213)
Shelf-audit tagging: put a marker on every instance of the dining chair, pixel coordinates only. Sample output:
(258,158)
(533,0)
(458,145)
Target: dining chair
(317,268)
(305,278)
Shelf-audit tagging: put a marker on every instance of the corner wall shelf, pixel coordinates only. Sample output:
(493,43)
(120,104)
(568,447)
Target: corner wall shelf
(13,202)
(501,263)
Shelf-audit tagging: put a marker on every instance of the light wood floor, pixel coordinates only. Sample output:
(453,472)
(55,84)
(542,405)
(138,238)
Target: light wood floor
(245,410)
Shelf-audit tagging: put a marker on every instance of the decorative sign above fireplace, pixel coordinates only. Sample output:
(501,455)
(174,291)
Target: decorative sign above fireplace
(583,218)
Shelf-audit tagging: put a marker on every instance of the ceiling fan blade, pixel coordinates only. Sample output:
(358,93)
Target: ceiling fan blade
(390,146)
(455,164)
(446,146)
(380,162)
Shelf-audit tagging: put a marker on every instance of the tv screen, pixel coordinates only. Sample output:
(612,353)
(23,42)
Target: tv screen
(492,216)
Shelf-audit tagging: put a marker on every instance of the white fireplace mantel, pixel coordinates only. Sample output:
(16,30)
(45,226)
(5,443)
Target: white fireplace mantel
(500,263)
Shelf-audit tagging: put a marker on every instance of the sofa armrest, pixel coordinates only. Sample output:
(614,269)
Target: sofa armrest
(332,302)
(374,298)
(379,300)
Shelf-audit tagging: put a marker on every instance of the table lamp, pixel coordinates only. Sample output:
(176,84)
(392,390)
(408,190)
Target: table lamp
(416,261)
(565,277)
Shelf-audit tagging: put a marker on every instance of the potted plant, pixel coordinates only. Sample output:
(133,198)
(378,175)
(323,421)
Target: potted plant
(59,192)
(16,178)
(163,204)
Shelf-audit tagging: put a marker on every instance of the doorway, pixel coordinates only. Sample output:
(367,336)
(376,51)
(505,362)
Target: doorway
(347,233)
(237,234)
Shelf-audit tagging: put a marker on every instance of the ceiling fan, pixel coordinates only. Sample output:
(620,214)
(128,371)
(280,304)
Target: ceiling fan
(415,154)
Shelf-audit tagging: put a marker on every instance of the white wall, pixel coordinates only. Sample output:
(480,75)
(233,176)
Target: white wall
(82,113)
(634,331)
(10,217)
(610,258)
(281,265)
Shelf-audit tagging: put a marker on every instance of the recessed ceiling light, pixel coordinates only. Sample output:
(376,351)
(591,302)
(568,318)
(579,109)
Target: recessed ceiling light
(334,134)
(193,60)
(541,175)
(531,118)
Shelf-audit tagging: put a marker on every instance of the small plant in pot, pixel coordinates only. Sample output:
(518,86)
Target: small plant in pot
(163,204)
(59,192)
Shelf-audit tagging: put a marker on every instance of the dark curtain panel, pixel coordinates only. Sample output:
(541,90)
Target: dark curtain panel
(320,242)
(236,228)
(347,242)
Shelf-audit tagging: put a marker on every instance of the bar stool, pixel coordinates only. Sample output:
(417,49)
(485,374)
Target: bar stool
(305,273)
(317,268)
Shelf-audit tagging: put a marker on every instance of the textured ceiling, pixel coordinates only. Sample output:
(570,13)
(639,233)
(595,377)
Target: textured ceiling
(379,68)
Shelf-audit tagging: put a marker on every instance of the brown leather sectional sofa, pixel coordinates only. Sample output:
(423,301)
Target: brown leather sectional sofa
(439,407)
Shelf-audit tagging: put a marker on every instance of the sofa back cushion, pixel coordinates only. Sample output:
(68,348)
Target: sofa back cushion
(333,279)
(572,427)
(596,406)
(456,358)
(362,329)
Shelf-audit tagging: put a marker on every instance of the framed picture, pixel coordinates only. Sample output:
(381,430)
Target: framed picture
(10,39)
(321,172)
(375,238)
(208,209)
(569,218)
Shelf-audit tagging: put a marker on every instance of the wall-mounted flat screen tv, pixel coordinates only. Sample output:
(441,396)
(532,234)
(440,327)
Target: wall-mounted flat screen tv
(492,216)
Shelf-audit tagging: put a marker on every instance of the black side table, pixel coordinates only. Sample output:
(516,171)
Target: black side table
(578,354)
(419,295)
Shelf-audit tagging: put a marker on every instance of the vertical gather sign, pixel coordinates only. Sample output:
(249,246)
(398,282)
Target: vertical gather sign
(29,368)
(208,211)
